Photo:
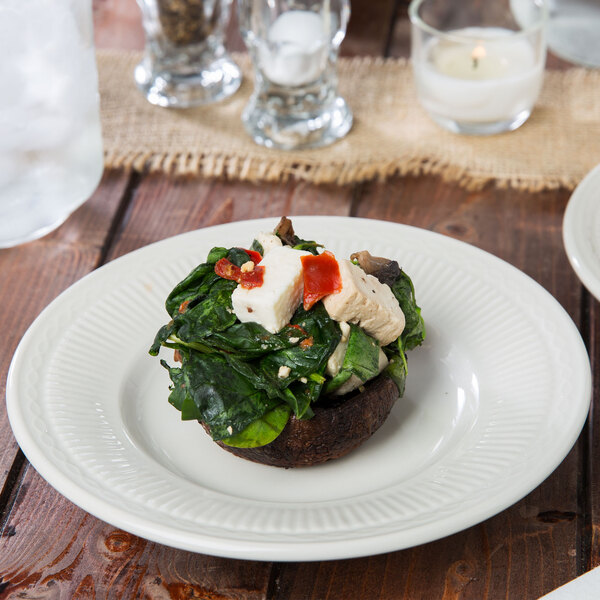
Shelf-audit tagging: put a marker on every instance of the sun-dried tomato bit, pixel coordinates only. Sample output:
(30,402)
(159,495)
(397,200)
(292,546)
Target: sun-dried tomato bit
(322,277)
(183,306)
(246,278)
(307,343)
(227,270)
(252,279)
(255,256)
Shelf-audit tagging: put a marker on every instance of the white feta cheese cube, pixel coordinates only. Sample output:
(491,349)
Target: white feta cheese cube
(274,302)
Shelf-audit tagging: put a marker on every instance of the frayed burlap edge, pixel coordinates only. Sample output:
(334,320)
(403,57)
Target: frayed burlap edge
(254,170)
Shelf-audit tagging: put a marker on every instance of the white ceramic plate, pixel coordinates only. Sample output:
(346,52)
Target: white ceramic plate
(581,231)
(495,399)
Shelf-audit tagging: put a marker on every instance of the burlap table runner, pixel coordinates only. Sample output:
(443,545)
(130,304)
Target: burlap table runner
(391,134)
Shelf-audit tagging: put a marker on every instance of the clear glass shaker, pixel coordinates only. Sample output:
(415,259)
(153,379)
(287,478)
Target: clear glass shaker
(185,62)
(294,48)
(51,156)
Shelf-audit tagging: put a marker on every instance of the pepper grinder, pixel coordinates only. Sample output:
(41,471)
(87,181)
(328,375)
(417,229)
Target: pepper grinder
(294,49)
(185,62)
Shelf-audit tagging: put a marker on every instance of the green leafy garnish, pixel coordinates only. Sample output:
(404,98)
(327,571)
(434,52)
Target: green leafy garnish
(414,331)
(262,431)
(413,334)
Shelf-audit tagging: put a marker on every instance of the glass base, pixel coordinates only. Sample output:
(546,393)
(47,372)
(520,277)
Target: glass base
(290,130)
(485,128)
(213,81)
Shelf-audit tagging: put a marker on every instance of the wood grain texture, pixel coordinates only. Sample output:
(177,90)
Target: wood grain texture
(511,556)
(161,208)
(369,28)
(590,536)
(49,548)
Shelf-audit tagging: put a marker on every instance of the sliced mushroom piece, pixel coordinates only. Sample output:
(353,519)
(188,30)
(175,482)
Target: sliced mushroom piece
(285,231)
(385,270)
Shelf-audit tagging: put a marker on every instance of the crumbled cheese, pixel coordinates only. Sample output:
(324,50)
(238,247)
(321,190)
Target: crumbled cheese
(303,380)
(294,340)
(247,267)
(283,372)
(230,430)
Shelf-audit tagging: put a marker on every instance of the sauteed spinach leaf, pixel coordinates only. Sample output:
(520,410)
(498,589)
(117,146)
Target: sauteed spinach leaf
(413,334)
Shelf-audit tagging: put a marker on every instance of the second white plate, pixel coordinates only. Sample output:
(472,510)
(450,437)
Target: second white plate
(495,399)
(581,231)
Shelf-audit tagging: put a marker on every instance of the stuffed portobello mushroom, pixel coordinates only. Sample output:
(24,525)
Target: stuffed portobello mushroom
(286,354)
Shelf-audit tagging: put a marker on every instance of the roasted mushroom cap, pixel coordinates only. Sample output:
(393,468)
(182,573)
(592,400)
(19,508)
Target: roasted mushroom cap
(338,427)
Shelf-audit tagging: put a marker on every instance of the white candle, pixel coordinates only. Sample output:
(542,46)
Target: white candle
(492,78)
(296,50)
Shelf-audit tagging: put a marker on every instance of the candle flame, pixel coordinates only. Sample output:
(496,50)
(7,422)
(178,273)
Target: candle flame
(478,52)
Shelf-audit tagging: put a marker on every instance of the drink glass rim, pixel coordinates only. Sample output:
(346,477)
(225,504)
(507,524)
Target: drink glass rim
(417,21)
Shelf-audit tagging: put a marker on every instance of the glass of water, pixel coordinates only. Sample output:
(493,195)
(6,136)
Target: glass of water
(51,157)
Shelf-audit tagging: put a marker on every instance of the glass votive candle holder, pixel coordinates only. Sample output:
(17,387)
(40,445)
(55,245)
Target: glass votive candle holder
(294,48)
(478,66)
(185,62)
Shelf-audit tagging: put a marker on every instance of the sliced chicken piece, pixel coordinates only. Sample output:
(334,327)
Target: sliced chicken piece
(366,302)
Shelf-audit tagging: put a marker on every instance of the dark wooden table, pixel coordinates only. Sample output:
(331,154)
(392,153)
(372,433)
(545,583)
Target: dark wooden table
(49,548)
